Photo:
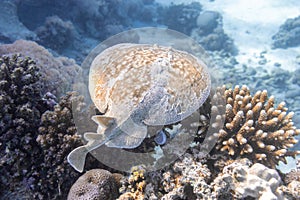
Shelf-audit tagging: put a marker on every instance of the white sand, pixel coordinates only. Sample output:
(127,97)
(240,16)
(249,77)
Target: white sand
(252,24)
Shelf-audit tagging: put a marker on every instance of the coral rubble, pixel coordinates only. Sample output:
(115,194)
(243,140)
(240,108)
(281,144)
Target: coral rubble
(134,186)
(96,184)
(291,189)
(187,179)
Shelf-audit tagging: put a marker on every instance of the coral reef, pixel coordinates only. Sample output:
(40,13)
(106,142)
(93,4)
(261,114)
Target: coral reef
(95,184)
(182,18)
(57,73)
(255,128)
(35,142)
(20,97)
(56,33)
(210,34)
(288,34)
(11,28)
(228,172)
(189,178)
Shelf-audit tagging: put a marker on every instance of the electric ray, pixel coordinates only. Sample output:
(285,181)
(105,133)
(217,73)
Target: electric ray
(140,85)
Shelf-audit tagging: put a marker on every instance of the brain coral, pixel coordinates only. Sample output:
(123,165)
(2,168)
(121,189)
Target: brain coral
(255,128)
(57,73)
(96,184)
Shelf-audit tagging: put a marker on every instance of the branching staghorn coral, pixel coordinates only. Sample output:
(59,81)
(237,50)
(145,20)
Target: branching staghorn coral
(255,127)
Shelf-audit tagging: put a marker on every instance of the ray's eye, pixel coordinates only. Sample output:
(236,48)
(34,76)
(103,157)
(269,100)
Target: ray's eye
(160,138)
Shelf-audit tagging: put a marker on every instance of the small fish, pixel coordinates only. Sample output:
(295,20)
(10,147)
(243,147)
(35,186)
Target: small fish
(140,85)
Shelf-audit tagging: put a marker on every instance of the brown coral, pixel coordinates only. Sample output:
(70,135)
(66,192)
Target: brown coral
(134,186)
(57,137)
(20,112)
(96,184)
(255,128)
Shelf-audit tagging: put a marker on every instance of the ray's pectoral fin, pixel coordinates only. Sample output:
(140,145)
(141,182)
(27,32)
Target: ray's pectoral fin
(128,135)
(104,121)
(90,136)
(76,158)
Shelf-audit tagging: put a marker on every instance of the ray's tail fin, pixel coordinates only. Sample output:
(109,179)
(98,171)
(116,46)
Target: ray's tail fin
(76,158)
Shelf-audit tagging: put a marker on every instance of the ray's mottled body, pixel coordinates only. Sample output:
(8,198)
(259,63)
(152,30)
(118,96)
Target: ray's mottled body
(140,85)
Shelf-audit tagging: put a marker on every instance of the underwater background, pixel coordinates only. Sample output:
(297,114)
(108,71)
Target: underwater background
(42,47)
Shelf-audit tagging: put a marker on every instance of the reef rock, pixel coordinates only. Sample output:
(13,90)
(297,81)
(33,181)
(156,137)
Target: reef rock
(11,28)
(96,184)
